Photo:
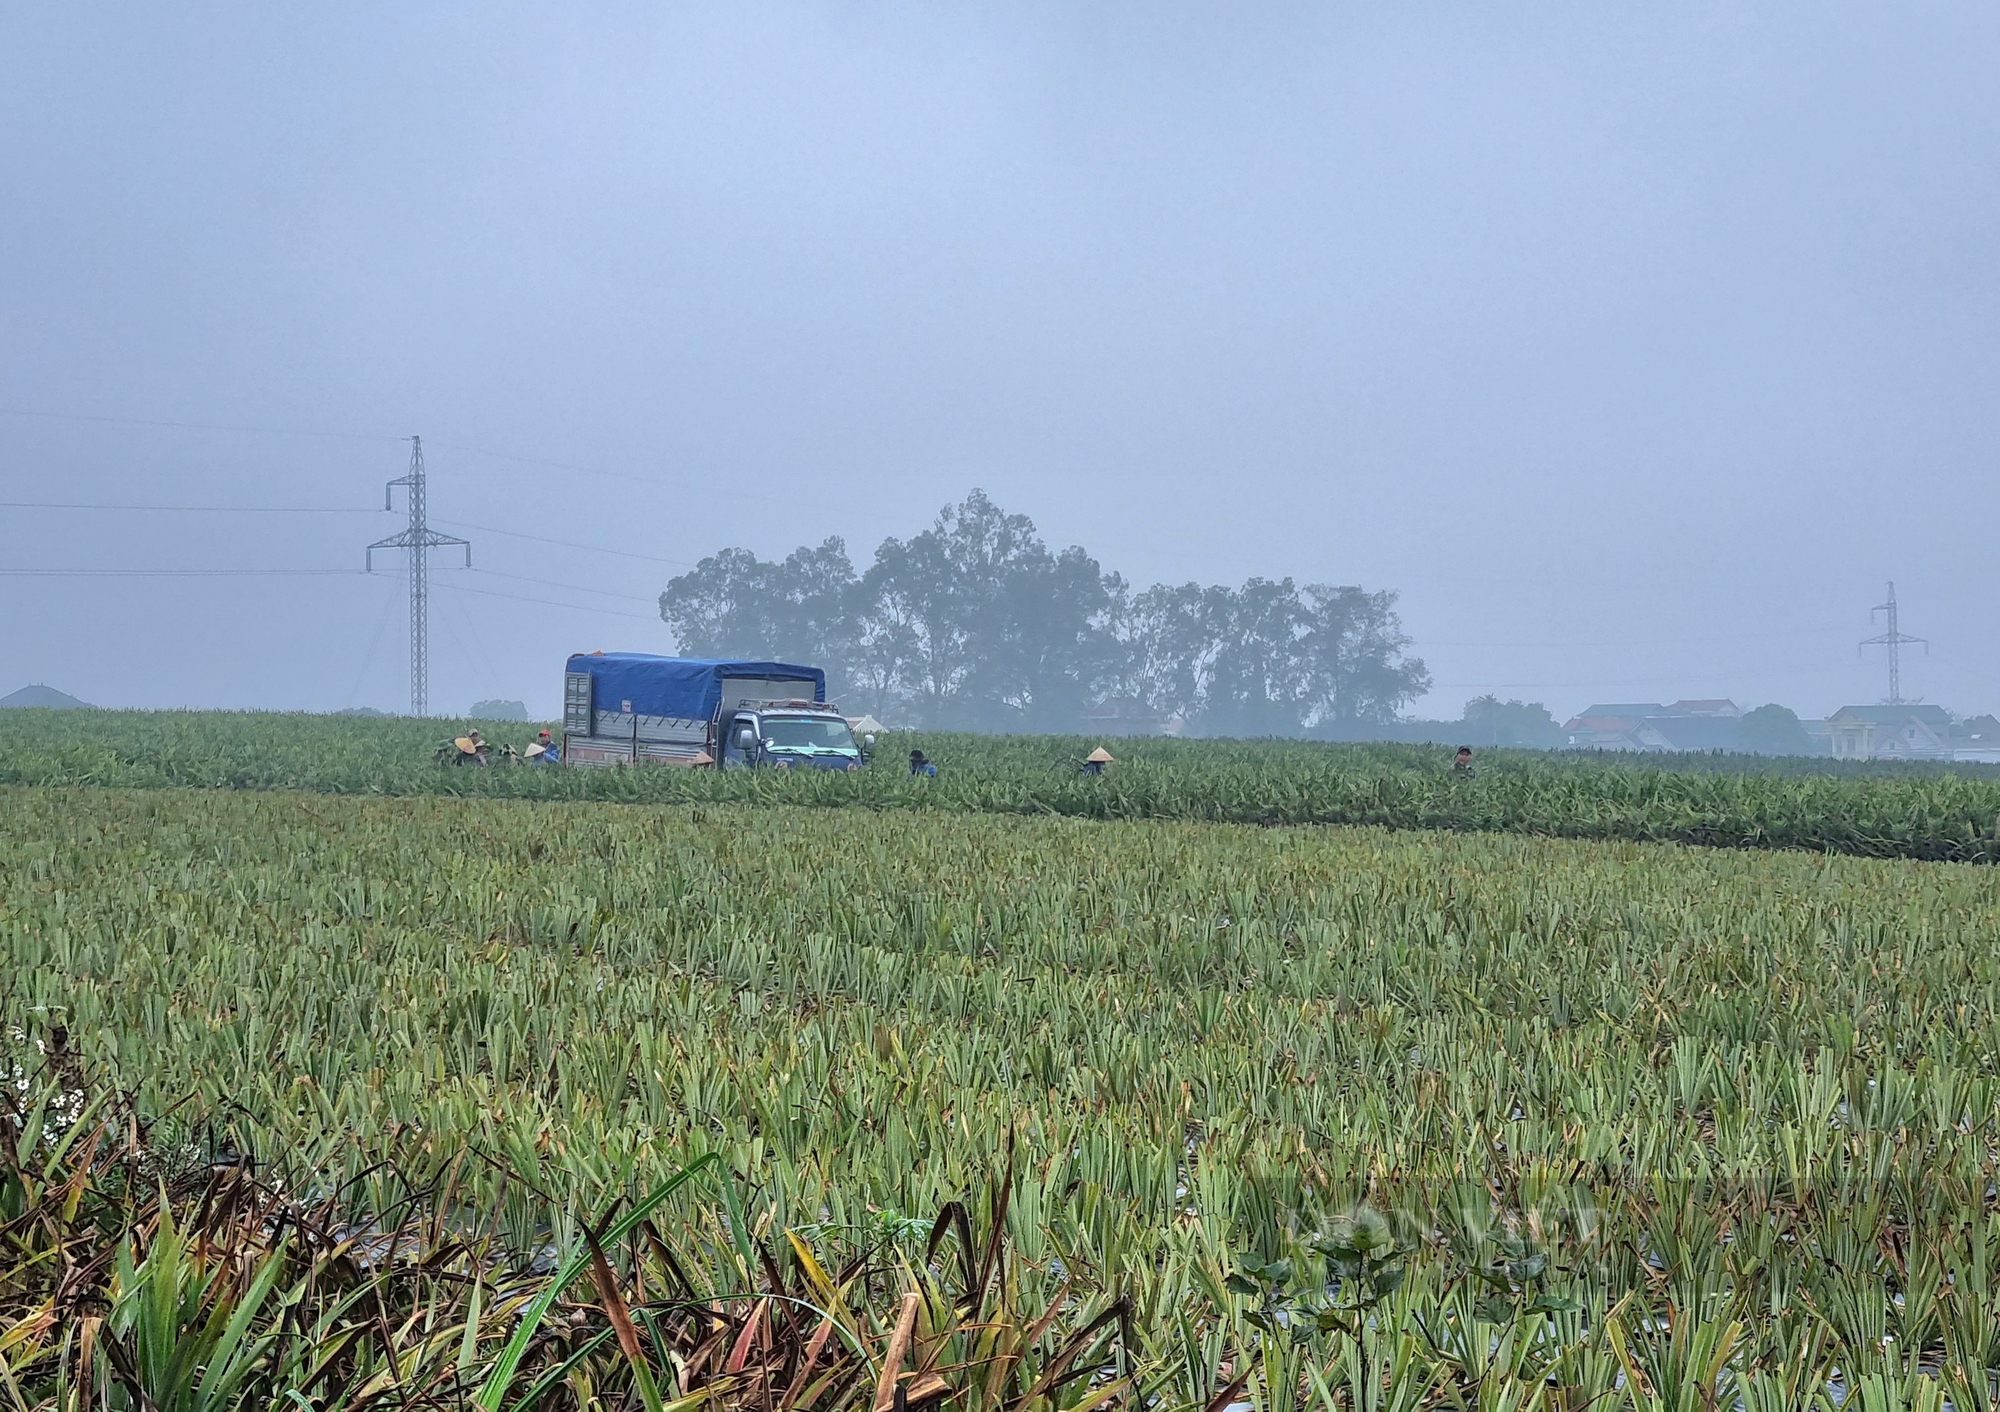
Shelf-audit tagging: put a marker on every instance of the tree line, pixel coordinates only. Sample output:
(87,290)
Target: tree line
(976,624)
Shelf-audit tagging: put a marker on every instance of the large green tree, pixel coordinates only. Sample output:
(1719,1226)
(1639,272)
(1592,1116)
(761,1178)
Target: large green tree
(801,608)
(1271,657)
(1488,720)
(976,624)
(990,630)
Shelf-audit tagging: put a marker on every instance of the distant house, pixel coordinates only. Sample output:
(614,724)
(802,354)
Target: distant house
(1693,725)
(1670,732)
(1649,726)
(1718,709)
(1901,732)
(44,696)
(1613,727)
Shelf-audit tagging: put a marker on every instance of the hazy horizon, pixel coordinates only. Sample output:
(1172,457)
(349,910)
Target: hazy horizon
(1635,351)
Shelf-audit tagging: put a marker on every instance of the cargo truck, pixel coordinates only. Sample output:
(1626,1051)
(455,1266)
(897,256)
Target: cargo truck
(631,708)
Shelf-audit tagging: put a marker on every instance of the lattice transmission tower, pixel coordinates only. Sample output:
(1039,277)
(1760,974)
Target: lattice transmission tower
(1894,639)
(417,541)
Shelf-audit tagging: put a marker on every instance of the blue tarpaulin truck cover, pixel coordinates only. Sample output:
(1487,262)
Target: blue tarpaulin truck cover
(687,688)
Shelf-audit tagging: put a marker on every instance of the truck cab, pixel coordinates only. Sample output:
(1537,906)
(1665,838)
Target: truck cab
(789,735)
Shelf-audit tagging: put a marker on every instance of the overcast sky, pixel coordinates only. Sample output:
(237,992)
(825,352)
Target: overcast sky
(1637,347)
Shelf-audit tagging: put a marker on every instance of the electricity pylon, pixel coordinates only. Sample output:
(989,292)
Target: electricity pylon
(1892,639)
(419,539)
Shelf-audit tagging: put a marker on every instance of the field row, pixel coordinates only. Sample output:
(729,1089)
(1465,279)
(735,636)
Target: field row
(1934,813)
(1571,1088)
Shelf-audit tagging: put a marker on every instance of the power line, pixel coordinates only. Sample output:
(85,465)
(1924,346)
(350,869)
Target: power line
(1599,684)
(196,509)
(192,426)
(472,638)
(311,431)
(316,510)
(373,642)
(178,573)
(572,587)
(538,461)
(569,544)
(1427,643)
(629,476)
(548,602)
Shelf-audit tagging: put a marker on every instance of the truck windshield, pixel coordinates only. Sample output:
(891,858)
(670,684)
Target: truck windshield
(807,732)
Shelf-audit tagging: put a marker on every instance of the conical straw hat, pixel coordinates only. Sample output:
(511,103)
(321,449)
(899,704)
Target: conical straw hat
(464,743)
(1099,756)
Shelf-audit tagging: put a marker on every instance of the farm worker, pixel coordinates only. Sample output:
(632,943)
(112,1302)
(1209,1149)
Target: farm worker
(1461,764)
(1096,760)
(543,751)
(919,765)
(478,746)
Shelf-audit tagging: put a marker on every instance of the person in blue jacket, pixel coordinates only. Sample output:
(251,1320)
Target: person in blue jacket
(919,765)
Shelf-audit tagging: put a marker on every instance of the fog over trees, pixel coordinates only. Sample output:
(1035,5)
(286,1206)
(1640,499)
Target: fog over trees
(976,624)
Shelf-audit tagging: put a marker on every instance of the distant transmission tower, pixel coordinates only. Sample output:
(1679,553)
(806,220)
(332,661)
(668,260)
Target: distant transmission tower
(419,539)
(1893,639)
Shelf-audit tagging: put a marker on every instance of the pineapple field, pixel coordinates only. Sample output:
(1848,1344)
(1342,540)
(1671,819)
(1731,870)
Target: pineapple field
(357,1083)
(1939,812)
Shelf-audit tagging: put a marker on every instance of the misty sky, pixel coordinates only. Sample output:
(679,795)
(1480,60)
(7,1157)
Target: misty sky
(1636,347)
